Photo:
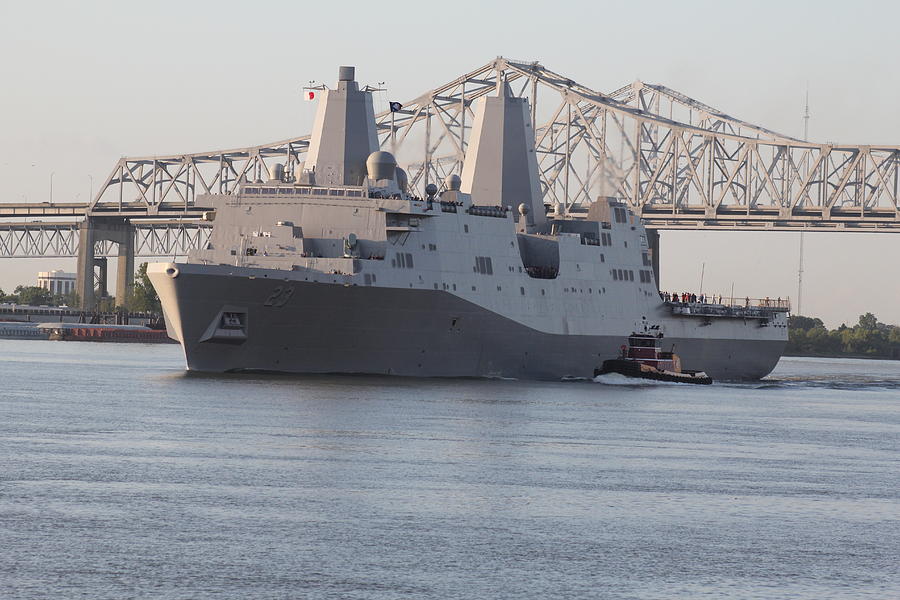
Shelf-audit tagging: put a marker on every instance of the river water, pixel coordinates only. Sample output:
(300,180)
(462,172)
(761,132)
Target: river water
(123,477)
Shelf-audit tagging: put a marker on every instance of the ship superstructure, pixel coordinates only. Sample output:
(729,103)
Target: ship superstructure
(338,267)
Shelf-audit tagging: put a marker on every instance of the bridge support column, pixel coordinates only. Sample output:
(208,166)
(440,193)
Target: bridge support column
(84,279)
(653,244)
(101,264)
(110,229)
(125,268)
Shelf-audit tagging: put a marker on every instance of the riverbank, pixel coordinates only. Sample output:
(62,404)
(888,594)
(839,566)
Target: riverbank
(839,355)
(869,338)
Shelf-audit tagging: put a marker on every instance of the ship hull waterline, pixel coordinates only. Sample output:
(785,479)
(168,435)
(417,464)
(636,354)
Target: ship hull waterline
(335,328)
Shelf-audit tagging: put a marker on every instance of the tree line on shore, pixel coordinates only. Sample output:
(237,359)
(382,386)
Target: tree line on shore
(34,296)
(143,297)
(870,338)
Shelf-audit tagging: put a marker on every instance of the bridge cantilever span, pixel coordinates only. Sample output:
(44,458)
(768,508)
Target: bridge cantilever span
(659,149)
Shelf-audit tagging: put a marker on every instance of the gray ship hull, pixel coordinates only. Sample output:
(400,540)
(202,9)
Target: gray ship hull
(334,328)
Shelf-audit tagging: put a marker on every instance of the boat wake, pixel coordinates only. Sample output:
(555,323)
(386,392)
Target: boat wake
(619,379)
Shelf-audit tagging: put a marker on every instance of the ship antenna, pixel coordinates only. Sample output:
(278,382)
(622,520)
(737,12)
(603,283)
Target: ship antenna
(702,272)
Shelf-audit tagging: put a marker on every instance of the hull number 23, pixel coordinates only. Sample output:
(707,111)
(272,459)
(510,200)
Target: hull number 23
(279,296)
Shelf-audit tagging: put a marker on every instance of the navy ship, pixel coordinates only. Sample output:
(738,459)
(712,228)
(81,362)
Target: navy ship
(335,266)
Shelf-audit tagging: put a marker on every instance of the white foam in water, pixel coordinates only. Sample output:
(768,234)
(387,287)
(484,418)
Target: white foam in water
(619,379)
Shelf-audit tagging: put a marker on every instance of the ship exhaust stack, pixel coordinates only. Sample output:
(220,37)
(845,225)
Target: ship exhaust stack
(343,135)
(501,165)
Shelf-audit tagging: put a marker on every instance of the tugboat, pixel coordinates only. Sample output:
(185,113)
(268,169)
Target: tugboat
(643,359)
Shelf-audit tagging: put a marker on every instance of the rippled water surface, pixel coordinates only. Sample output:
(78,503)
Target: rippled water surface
(123,477)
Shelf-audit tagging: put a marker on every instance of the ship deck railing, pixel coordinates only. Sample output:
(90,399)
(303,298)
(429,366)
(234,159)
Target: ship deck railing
(747,308)
(291,189)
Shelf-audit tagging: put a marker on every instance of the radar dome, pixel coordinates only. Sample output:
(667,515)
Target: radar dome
(430,190)
(381,165)
(523,209)
(452,183)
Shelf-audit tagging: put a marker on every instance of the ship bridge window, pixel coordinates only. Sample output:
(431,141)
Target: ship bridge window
(404,260)
(302,190)
(354,193)
(250,191)
(268,190)
(335,192)
(285,191)
(321,191)
(620,214)
(483,265)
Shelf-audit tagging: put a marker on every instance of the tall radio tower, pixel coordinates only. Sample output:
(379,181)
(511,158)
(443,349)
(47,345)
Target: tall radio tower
(800,268)
(806,117)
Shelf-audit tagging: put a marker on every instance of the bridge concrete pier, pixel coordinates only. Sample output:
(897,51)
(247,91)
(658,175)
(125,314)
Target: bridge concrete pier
(110,229)
(101,266)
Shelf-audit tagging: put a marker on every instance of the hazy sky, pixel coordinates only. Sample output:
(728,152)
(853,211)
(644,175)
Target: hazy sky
(82,84)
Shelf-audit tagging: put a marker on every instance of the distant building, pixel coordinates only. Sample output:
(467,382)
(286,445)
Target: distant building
(57,282)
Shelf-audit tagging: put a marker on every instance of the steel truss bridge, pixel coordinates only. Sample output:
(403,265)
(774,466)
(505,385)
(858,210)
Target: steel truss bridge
(60,239)
(31,230)
(679,163)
